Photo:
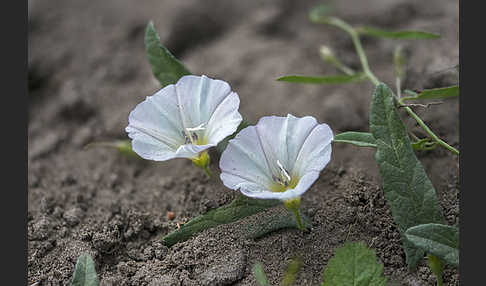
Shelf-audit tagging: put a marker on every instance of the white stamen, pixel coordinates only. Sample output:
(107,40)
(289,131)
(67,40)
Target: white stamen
(283,171)
(197,128)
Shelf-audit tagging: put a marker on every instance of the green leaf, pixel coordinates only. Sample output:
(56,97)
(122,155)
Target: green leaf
(424,144)
(222,145)
(365,139)
(259,274)
(165,67)
(370,31)
(437,239)
(434,93)
(407,187)
(361,139)
(123,146)
(332,79)
(354,264)
(239,208)
(291,272)
(85,273)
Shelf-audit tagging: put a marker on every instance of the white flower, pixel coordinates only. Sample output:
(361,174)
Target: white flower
(279,158)
(182,120)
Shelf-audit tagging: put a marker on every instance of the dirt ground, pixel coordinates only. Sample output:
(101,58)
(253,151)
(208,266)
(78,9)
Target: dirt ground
(87,71)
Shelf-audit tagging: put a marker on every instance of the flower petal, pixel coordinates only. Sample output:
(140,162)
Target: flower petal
(315,152)
(150,148)
(199,98)
(246,186)
(282,138)
(256,191)
(305,182)
(272,136)
(191,151)
(159,124)
(243,162)
(154,126)
(225,119)
(258,153)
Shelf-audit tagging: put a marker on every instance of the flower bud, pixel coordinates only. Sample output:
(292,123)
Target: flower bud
(326,53)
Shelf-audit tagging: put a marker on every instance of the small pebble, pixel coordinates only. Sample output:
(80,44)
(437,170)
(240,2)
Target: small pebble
(171,215)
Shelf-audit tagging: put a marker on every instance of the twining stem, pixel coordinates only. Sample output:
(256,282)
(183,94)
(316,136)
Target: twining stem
(363,59)
(437,267)
(328,56)
(297,218)
(369,74)
(357,44)
(293,205)
(429,132)
(345,69)
(439,281)
(414,137)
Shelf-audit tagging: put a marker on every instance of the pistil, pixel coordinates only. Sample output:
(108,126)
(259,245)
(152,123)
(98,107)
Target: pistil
(283,180)
(191,136)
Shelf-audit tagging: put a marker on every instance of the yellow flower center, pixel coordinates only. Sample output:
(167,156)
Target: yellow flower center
(283,181)
(194,135)
(280,186)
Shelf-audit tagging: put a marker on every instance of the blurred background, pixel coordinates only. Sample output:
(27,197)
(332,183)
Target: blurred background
(87,70)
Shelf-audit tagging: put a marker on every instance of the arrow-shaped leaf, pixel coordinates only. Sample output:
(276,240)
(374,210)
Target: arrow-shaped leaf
(239,208)
(407,187)
(85,272)
(437,239)
(165,67)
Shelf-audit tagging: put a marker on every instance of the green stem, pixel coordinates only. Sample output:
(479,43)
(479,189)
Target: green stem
(363,59)
(429,132)
(293,205)
(437,267)
(414,137)
(439,281)
(297,218)
(399,90)
(342,67)
(357,44)
(366,69)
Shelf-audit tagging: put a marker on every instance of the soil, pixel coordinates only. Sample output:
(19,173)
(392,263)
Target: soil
(87,71)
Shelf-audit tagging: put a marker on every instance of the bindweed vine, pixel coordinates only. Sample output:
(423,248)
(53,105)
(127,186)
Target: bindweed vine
(406,185)
(275,161)
(320,15)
